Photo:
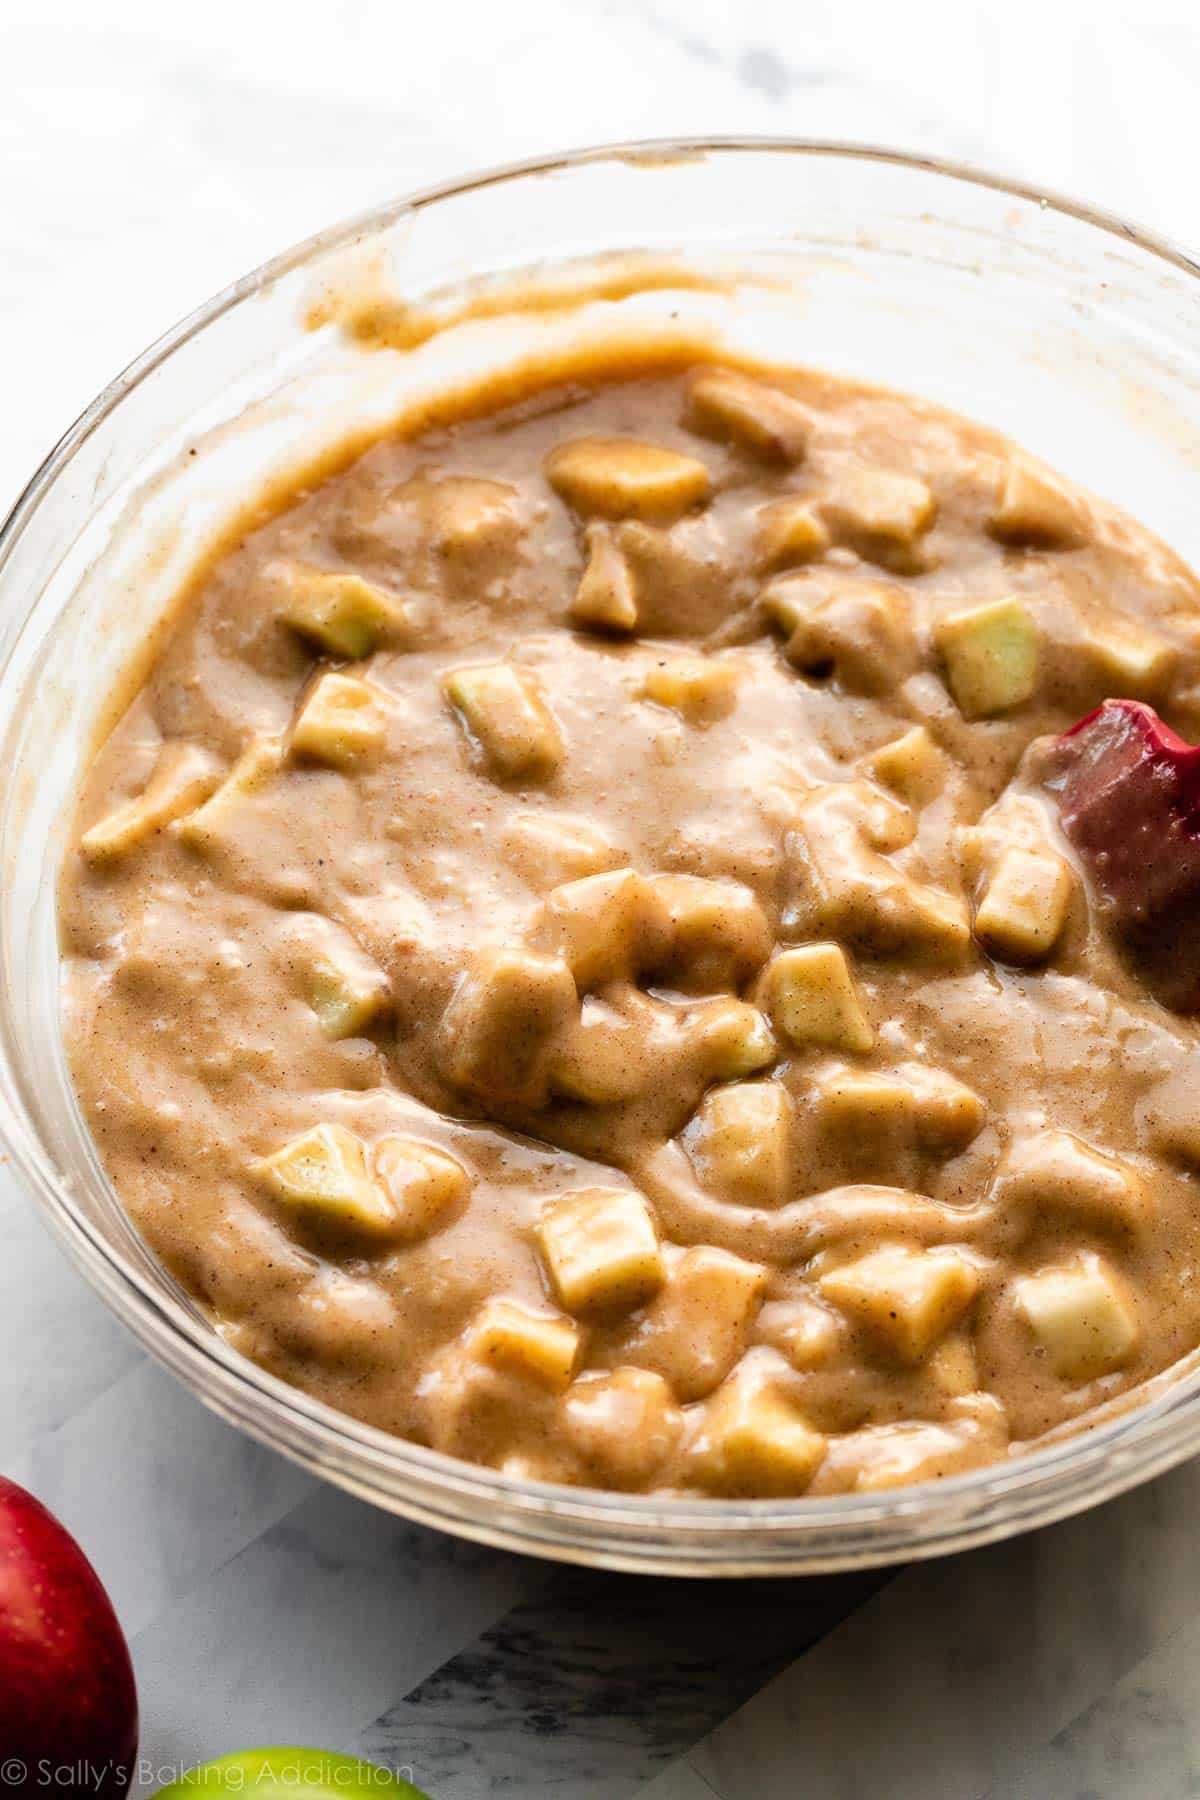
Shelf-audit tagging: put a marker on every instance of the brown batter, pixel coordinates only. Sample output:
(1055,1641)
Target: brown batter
(569,957)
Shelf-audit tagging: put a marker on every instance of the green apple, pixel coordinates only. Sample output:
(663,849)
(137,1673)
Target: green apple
(284,1770)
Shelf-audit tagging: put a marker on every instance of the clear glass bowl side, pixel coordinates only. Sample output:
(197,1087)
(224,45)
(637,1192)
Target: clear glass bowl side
(1069,333)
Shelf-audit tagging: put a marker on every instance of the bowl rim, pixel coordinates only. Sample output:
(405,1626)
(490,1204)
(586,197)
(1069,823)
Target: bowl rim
(312,1432)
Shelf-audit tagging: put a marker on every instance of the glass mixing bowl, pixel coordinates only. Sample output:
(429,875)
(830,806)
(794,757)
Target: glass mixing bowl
(1075,332)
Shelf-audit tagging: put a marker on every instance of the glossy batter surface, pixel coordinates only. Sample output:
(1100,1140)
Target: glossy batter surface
(569,957)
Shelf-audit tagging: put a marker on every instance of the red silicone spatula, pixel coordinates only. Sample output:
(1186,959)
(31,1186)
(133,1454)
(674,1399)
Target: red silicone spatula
(1128,789)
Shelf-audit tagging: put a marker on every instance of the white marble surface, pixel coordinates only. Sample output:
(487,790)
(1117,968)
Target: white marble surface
(148,153)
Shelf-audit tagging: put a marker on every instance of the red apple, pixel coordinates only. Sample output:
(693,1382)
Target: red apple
(67,1695)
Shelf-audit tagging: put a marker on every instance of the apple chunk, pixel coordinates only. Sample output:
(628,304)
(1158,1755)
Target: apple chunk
(182,779)
(991,655)
(346,990)
(739,1142)
(1080,1317)
(811,996)
(506,721)
(541,1346)
(906,1299)
(605,927)
(625,478)
(1023,907)
(495,1034)
(343,722)
(752,1438)
(425,1184)
(342,614)
(1034,508)
(754,415)
(701,688)
(323,1176)
(601,1250)
(606,599)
